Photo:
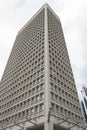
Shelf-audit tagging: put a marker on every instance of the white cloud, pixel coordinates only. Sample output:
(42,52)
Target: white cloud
(15,13)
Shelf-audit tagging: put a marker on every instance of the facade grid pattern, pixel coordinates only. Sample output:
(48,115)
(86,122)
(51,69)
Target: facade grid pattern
(23,79)
(38,74)
(64,99)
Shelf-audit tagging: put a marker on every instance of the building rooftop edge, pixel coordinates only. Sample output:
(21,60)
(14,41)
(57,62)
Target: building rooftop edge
(45,5)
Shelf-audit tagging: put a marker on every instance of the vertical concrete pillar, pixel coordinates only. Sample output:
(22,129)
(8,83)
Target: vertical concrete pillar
(10,128)
(48,126)
(24,125)
(24,128)
(47,75)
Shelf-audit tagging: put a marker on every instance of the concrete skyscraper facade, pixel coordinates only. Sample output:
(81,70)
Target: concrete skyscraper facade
(37,89)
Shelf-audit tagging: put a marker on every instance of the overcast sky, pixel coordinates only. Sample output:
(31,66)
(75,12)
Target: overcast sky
(73,14)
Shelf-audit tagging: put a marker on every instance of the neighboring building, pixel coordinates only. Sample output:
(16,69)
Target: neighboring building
(84,104)
(37,89)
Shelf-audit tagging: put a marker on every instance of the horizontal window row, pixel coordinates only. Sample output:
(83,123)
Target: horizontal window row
(22,105)
(28,77)
(23,64)
(65,102)
(61,75)
(22,115)
(60,78)
(64,92)
(26,93)
(27,49)
(62,112)
(62,83)
(26,71)
(59,63)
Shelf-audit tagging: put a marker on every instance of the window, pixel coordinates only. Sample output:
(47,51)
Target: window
(32,110)
(41,106)
(42,95)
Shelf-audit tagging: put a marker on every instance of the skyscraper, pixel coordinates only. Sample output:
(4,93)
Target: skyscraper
(84,104)
(84,112)
(37,89)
